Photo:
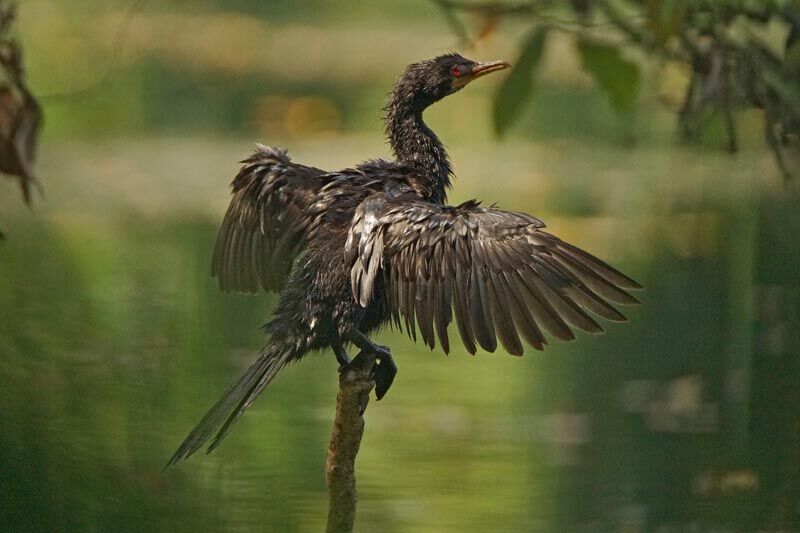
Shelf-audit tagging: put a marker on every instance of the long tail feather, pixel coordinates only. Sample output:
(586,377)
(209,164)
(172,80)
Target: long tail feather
(234,401)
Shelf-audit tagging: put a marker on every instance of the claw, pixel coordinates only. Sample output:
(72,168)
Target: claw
(384,372)
(384,376)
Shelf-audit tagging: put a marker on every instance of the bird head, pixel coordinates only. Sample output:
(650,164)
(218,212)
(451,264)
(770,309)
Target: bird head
(431,80)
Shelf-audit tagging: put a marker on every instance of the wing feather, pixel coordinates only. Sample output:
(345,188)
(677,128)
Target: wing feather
(443,312)
(461,305)
(481,312)
(500,309)
(594,281)
(522,315)
(267,222)
(541,308)
(424,311)
(496,272)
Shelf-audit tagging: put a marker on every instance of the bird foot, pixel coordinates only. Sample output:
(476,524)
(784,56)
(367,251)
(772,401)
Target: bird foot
(362,361)
(383,372)
(383,369)
(381,352)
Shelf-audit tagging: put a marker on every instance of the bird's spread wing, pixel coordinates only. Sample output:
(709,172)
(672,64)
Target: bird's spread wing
(498,272)
(270,217)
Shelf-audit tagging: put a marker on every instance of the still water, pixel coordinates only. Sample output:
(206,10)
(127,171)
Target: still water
(114,340)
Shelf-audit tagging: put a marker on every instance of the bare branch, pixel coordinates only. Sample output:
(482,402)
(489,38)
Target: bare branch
(355,385)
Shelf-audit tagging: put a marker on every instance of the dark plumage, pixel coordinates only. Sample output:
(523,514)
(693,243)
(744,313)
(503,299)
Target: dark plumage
(353,249)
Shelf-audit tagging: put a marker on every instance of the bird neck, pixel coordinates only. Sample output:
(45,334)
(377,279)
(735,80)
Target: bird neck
(416,146)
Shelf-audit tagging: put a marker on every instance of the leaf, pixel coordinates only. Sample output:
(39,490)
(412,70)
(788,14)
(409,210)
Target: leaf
(664,18)
(792,58)
(788,92)
(617,76)
(518,86)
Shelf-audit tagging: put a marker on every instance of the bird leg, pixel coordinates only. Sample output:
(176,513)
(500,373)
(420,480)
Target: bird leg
(341,355)
(385,370)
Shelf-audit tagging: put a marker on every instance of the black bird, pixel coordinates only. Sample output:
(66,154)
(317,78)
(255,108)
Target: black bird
(353,249)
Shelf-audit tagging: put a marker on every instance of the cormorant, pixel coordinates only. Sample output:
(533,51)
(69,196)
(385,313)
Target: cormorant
(350,250)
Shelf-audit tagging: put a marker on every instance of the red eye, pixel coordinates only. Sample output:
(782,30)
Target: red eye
(456,72)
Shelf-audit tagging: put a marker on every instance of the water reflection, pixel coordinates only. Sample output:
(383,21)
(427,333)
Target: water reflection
(114,340)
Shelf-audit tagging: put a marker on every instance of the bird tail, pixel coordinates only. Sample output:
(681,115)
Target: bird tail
(234,401)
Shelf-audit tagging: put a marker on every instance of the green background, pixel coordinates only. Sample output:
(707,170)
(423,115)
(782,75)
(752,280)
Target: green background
(114,339)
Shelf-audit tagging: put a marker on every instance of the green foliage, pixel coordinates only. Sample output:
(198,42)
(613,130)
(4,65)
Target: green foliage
(739,55)
(792,60)
(665,17)
(518,86)
(617,76)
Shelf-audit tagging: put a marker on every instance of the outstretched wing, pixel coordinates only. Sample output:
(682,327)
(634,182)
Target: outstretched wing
(498,272)
(270,217)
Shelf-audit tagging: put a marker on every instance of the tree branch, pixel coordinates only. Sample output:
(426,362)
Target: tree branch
(355,384)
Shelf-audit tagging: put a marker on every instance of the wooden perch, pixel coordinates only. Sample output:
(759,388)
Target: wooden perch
(355,384)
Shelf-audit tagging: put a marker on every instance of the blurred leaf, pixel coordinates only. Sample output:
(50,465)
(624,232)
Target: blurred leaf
(788,92)
(582,7)
(518,86)
(792,59)
(489,25)
(665,17)
(617,76)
